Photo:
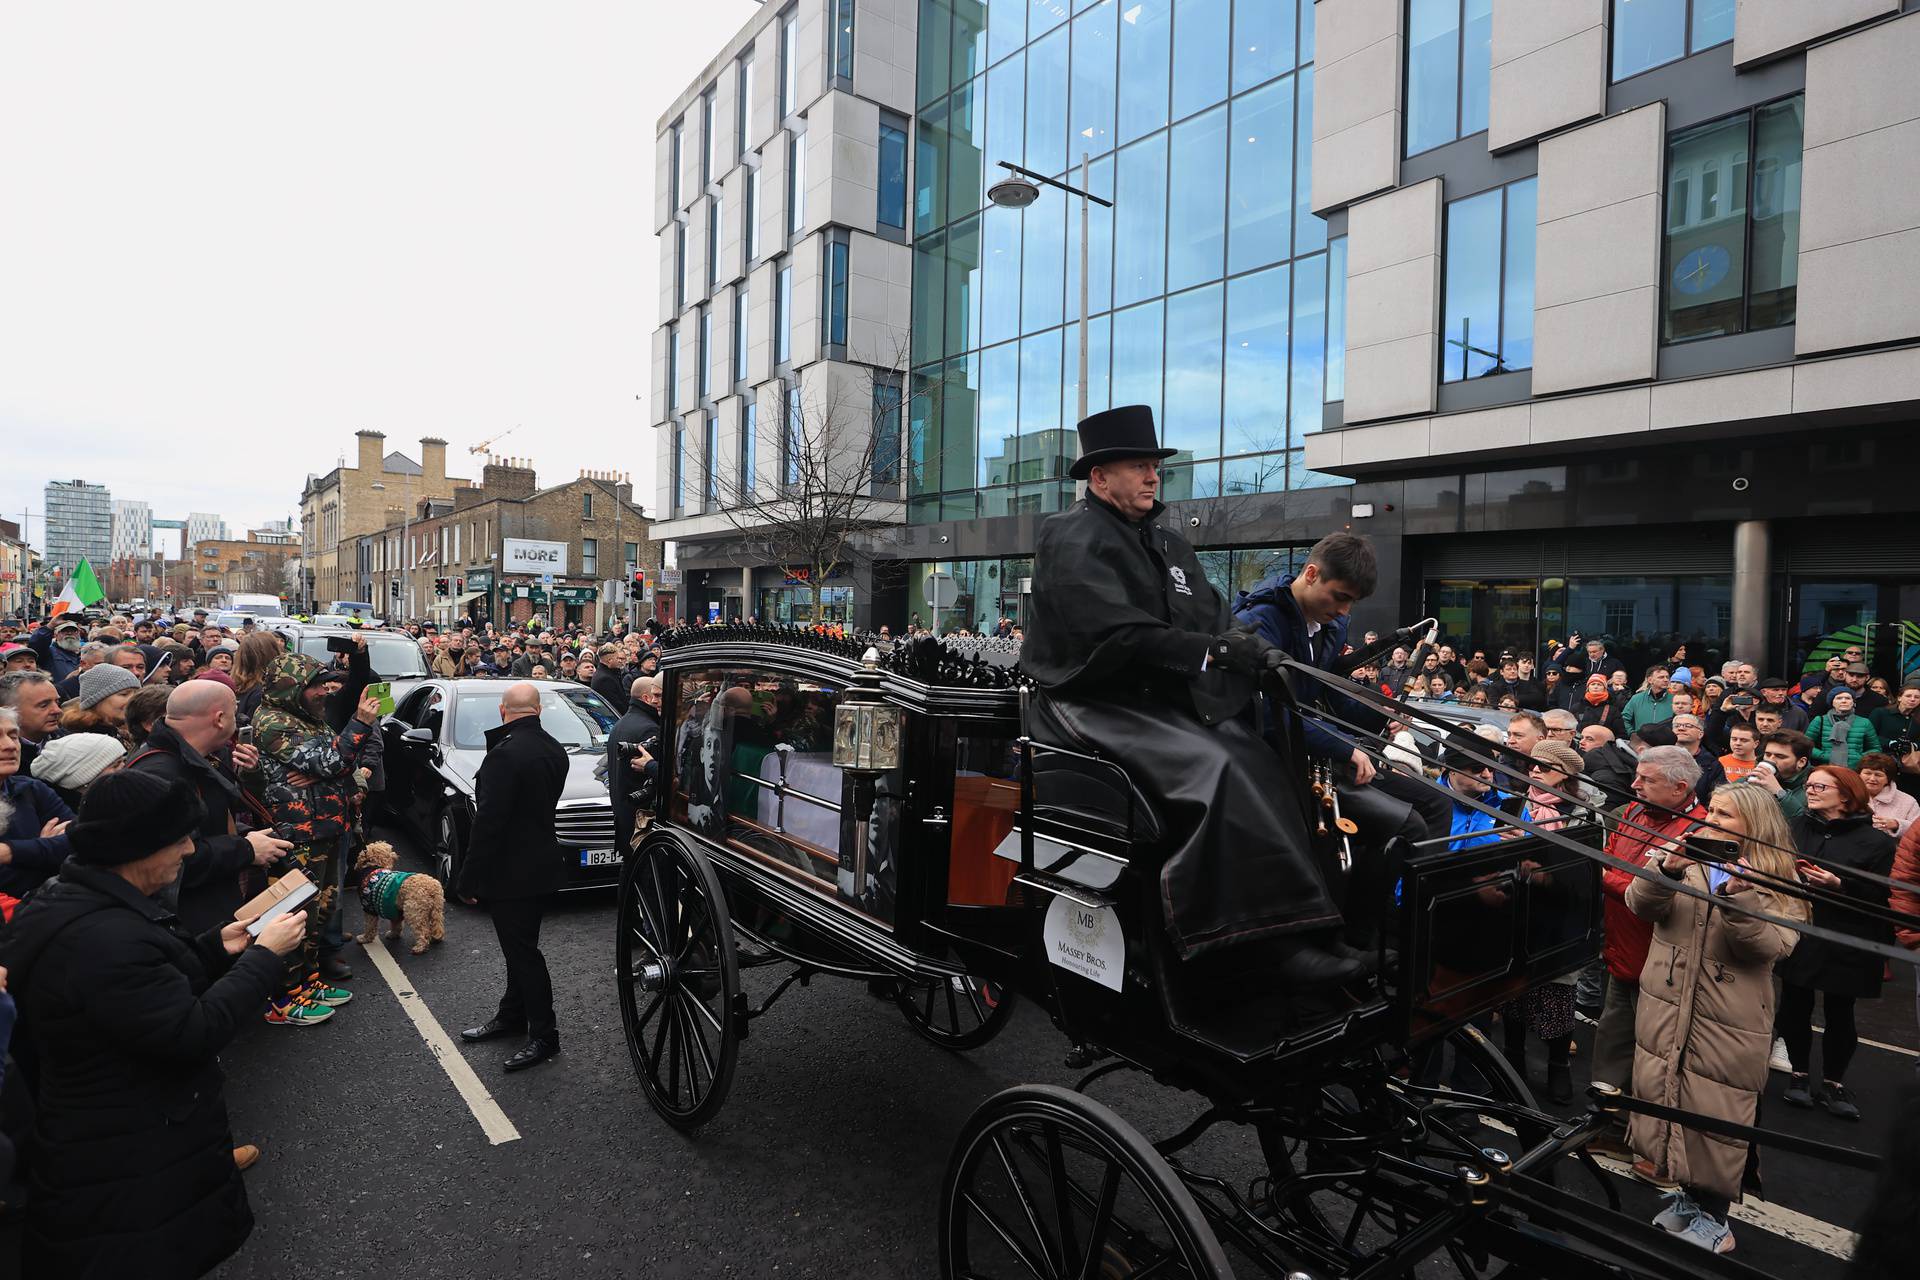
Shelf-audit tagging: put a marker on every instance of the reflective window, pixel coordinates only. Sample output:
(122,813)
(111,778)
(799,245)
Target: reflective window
(886,431)
(1137,355)
(673,368)
(1256,365)
(673,168)
(842,39)
(964,277)
(935,33)
(969,40)
(1146,31)
(1449,58)
(999,386)
(1047,88)
(789,60)
(740,334)
(1099,242)
(891,208)
(1260,204)
(743,105)
(709,141)
(1039,399)
(750,217)
(1733,223)
(929,296)
(1262,40)
(1307,357)
(999,276)
(679,468)
(749,441)
(1309,231)
(711,462)
(1043,253)
(703,372)
(833,319)
(1488,325)
(1006,28)
(1197,193)
(679,265)
(715,214)
(796,182)
(1140,222)
(783,314)
(1090,112)
(793,436)
(930,170)
(1192,421)
(1043,16)
(1006,128)
(967,151)
(1651,33)
(1337,319)
(1200,53)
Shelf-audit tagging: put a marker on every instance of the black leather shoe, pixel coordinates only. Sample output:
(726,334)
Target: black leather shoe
(492,1029)
(1315,966)
(334,969)
(534,1051)
(1366,959)
(1559,1082)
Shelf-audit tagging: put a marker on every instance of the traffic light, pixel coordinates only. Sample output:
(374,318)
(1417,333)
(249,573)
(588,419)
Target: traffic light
(393,588)
(440,587)
(459,586)
(639,583)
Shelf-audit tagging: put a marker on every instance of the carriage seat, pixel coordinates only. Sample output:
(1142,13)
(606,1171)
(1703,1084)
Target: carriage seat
(1091,796)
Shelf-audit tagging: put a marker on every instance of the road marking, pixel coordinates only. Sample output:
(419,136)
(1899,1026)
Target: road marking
(1902,1050)
(493,1121)
(1775,1219)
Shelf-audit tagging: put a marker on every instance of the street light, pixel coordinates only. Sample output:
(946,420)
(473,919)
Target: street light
(1017,192)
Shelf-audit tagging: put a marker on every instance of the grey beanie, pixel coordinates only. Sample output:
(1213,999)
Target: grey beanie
(77,759)
(98,683)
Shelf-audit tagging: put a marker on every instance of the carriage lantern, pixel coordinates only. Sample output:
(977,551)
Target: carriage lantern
(866,744)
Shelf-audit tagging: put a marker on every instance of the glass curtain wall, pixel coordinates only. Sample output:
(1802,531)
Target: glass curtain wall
(1207,280)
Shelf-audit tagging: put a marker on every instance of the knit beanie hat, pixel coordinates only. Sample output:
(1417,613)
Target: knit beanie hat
(98,683)
(77,759)
(130,814)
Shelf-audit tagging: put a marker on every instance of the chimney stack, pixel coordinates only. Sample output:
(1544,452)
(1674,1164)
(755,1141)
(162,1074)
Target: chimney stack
(433,465)
(373,451)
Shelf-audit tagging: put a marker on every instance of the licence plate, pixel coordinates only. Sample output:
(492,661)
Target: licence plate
(599,857)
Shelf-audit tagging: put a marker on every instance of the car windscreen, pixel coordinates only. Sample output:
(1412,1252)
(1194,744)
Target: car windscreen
(573,717)
(392,657)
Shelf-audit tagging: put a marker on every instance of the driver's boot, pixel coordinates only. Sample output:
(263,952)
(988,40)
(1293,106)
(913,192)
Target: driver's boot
(1314,963)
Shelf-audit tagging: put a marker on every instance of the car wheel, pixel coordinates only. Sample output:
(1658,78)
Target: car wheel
(446,852)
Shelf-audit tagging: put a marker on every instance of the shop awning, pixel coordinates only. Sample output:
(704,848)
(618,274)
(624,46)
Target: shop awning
(471,595)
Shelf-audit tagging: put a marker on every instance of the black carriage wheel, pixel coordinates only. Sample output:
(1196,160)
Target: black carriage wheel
(446,853)
(1048,1184)
(678,977)
(955,1013)
(1504,1084)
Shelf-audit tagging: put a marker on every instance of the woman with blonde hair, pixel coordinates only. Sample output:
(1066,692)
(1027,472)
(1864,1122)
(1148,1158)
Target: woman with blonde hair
(257,653)
(1704,1026)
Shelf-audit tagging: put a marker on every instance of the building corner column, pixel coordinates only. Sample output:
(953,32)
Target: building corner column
(1752,580)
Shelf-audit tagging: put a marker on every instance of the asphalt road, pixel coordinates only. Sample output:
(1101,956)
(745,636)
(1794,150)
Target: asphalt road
(826,1161)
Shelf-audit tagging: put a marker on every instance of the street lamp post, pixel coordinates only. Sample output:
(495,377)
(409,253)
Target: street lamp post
(1017,192)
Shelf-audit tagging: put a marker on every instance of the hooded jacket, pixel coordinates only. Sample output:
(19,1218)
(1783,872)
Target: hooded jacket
(290,740)
(133,1172)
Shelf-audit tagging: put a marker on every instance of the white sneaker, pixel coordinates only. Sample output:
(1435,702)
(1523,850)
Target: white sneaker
(1778,1060)
(1679,1213)
(1709,1233)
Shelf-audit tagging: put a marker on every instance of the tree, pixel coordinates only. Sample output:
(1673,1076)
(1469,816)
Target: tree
(823,464)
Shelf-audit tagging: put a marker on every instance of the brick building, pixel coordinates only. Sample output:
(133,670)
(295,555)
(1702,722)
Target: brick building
(338,509)
(221,567)
(480,554)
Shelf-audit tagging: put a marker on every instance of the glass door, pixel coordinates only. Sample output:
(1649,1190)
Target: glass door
(1494,616)
(1826,619)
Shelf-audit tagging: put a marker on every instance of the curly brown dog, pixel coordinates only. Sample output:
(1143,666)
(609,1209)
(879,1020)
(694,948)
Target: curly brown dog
(404,897)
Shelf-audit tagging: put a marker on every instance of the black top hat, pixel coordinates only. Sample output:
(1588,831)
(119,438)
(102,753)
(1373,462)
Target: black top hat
(1113,434)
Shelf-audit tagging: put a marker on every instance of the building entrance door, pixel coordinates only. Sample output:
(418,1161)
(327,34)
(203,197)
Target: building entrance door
(1880,621)
(1495,615)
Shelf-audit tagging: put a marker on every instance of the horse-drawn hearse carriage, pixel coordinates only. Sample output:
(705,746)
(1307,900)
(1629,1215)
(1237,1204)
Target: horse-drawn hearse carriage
(836,811)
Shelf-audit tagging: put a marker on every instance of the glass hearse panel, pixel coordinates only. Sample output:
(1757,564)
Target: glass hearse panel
(753,768)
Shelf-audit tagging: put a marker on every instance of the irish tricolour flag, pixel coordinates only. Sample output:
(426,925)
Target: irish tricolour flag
(82,590)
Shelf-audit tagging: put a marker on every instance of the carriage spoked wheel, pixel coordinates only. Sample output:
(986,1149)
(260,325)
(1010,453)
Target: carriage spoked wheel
(1044,1182)
(678,976)
(955,1012)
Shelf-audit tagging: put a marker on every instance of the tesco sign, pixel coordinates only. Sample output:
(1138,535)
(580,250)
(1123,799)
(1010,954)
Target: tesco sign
(523,555)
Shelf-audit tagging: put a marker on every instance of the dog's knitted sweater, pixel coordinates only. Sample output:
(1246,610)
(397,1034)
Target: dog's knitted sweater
(380,893)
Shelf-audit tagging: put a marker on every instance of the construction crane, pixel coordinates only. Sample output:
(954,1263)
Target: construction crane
(487,444)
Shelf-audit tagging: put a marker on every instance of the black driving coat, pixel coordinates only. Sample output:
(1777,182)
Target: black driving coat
(1122,616)
(513,852)
(641,726)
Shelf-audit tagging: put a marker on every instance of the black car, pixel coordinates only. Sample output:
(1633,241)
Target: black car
(436,738)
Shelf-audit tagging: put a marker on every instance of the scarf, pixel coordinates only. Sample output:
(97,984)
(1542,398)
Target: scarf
(1839,730)
(1543,808)
(1599,699)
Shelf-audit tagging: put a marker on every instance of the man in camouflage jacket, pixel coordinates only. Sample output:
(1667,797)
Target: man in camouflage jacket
(307,775)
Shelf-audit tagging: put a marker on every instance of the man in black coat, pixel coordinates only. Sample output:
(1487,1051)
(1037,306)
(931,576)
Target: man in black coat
(512,865)
(126,1014)
(633,746)
(609,681)
(1135,656)
(183,747)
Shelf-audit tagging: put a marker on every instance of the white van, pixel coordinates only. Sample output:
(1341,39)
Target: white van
(260,606)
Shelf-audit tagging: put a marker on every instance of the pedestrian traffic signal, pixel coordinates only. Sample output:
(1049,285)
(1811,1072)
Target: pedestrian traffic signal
(440,587)
(459,586)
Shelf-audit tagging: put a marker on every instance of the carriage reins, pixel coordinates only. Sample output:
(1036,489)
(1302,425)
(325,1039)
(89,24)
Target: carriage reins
(1458,740)
(1651,875)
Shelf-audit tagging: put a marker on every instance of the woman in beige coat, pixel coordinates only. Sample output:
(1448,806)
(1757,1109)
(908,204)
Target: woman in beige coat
(1705,1022)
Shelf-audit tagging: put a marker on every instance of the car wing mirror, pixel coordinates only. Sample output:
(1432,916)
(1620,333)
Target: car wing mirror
(418,737)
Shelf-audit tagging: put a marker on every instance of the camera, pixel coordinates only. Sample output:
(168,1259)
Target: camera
(1901,748)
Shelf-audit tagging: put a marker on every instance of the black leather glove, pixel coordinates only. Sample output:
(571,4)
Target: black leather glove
(1239,650)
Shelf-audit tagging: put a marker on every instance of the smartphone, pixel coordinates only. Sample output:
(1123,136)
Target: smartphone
(245,736)
(1709,848)
(340,644)
(382,690)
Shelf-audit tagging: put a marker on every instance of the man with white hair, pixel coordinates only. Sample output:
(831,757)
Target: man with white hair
(193,744)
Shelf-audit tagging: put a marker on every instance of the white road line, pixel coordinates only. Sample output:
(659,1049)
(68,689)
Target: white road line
(493,1121)
(1902,1050)
(1775,1219)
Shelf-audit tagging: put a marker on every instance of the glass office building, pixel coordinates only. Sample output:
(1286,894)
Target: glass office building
(1214,294)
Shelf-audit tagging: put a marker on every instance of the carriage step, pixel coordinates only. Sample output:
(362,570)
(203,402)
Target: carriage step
(1062,888)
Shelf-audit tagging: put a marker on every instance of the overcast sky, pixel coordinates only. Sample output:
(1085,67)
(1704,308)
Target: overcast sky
(232,234)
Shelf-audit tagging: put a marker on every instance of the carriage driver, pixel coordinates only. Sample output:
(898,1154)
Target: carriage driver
(1134,654)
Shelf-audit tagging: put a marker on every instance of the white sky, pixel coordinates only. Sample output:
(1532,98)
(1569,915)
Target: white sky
(232,234)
